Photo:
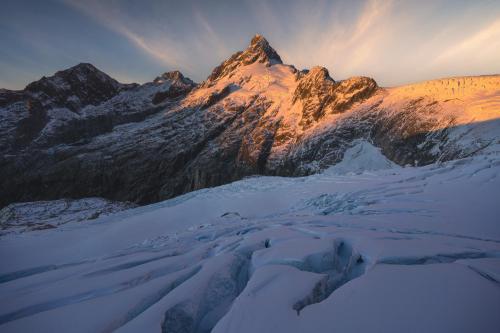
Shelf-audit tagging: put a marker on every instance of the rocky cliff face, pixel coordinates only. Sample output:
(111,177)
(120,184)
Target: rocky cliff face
(320,95)
(80,133)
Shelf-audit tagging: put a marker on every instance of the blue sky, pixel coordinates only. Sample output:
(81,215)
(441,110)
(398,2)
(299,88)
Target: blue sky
(393,41)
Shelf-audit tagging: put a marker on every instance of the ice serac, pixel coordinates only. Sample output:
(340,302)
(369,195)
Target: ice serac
(252,115)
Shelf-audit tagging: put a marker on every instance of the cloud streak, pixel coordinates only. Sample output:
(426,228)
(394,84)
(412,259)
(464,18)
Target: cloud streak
(155,39)
(162,49)
(482,44)
(392,41)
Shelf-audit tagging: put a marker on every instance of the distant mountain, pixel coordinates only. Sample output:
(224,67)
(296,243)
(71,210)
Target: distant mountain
(80,133)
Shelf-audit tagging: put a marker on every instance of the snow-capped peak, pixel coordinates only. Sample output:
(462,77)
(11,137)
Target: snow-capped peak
(75,87)
(83,72)
(173,76)
(170,85)
(259,51)
(259,46)
(318,73)
(83,67)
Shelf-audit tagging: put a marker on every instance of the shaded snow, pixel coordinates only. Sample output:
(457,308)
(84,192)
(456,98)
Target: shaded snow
(361,157)
(389,250)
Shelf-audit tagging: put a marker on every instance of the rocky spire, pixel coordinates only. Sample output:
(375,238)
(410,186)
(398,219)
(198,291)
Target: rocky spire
(174,85)
(320,94)
(174,76)
(259,50)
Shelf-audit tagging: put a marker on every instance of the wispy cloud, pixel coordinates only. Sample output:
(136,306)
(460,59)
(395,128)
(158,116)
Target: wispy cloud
(389,40)
(369,31)
(323,34)
(162,49)
(306,34)
(393,41)
(480,45)
(155,39)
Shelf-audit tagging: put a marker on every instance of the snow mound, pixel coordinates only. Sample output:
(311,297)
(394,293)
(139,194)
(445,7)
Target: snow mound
(361,157)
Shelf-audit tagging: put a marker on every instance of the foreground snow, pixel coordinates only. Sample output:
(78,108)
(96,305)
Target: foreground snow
(386,250)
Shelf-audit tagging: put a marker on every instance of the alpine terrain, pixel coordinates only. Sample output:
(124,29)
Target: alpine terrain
(263,199)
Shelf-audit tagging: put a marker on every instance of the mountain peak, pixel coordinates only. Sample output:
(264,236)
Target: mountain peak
(258,41)
(176,76)
(84,66)
(82,84)
(256,38)
(318,73)
(82,71)
(259,51)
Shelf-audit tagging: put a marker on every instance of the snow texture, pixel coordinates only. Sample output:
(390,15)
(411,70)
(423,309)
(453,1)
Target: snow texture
(379,249)
(362,157)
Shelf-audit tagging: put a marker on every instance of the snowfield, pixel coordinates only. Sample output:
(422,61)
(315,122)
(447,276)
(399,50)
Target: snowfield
(366,246)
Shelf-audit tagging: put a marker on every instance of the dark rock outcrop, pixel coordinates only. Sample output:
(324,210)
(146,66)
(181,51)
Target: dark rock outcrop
(321,95)
(75,88)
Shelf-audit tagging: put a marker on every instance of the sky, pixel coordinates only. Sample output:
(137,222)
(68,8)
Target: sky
(393,41)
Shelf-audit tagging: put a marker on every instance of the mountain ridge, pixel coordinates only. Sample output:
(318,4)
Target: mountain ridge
(252,115)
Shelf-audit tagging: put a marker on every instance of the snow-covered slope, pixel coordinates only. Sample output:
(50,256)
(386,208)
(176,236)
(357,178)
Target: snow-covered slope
(77,104)
(413,249)
(361,157)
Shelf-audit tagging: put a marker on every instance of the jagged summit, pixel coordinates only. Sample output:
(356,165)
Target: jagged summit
(259,46)
(171,85)
(259,50)
(75,87)
(83,67)
(175,76)
(319,73)
(81,72)
(320,95)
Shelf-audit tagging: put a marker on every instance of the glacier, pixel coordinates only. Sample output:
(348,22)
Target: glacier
(365,246)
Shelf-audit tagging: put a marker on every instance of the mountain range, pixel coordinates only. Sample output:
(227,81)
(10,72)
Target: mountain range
(391,225)
(81,133)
